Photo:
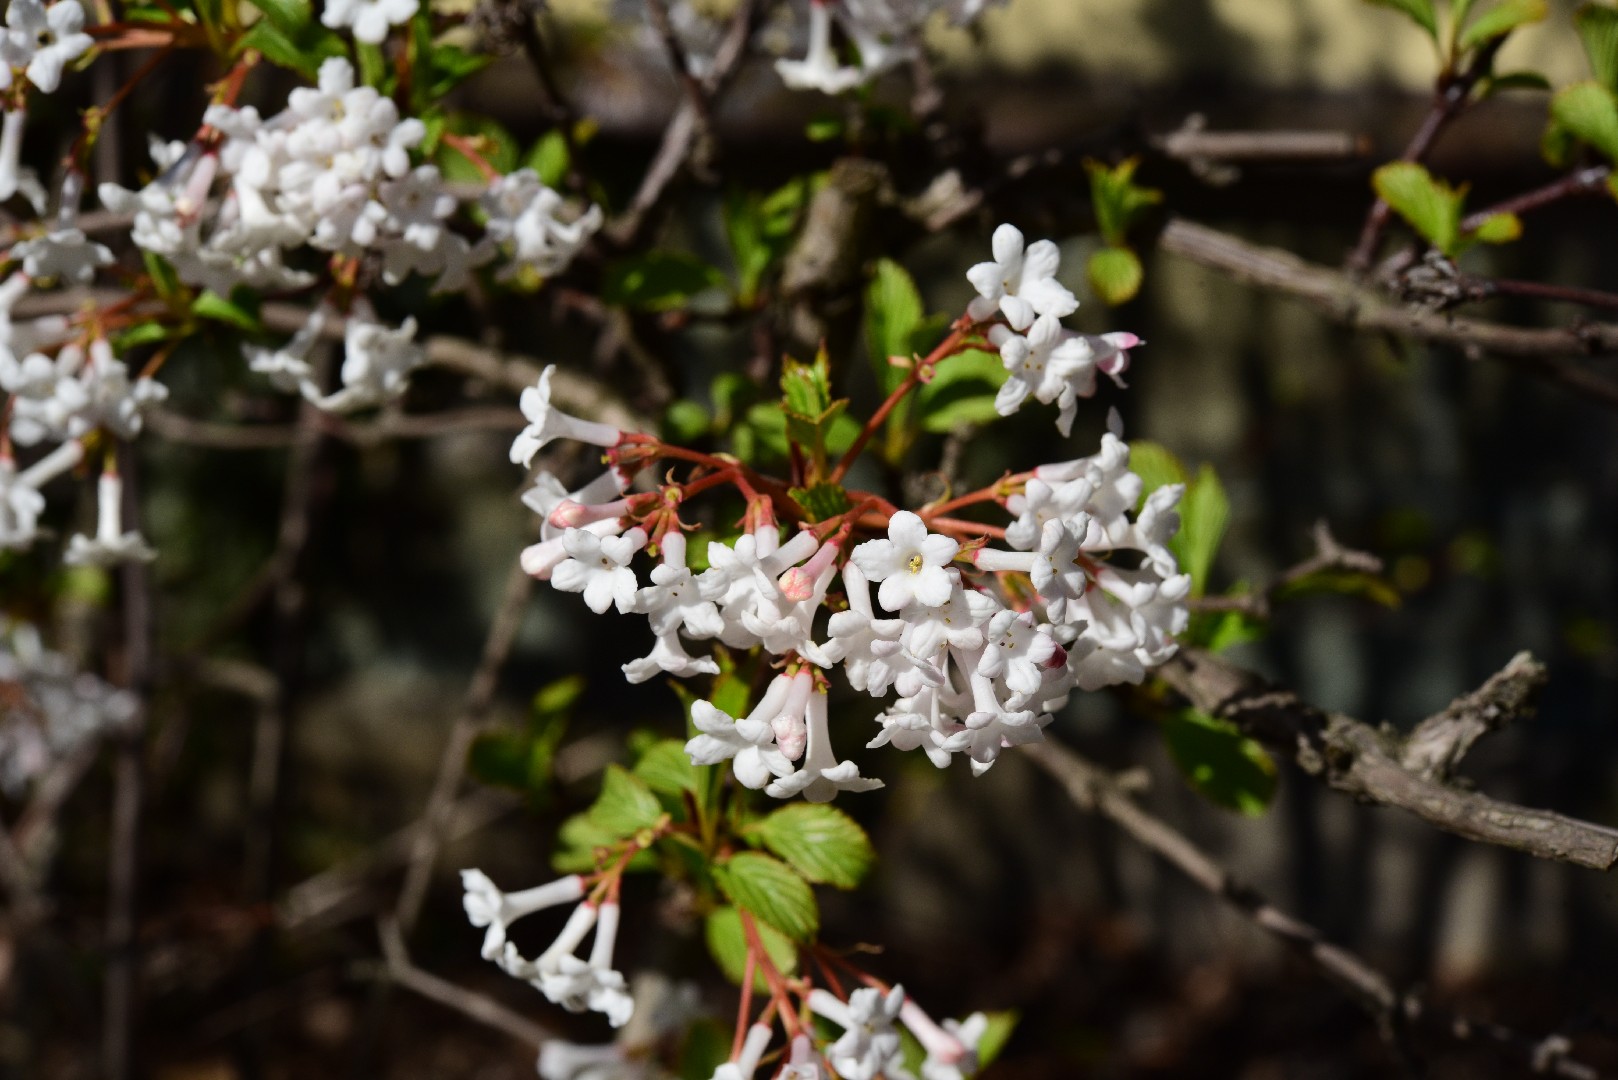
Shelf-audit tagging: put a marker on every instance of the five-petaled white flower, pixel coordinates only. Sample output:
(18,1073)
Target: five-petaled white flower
(598,567)
(910,564)
(1020,283)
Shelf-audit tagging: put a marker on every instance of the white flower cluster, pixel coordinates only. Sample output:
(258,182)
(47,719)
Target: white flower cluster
(51,710)
(565,979)
(980,645)
(885,34)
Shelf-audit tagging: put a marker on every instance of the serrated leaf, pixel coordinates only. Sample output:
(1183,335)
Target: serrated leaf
(822,501)
(727,942)
(1421,12)
(1225,766)
(666,768)
(1597,25)
(1499,229)
(772,891)
(893,313)
(820,842)
(658,280)
(1115,274)
(1117,200)
(579,839)
(1432,207)
(626,804)
(1502,19)
(210,305)
(1590,112)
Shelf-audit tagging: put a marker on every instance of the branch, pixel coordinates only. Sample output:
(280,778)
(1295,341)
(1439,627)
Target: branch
(1361,307)
(484,1010)
(1583,182)
(1438,743)
(1368,763)
(1329,555)
(1095,790)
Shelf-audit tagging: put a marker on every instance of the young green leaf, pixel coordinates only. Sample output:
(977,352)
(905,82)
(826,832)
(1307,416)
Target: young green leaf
(1499,229)
(893,312)
(626,804)
(820,842)
(658,280)
(727,942)
(578,840)
(1590,112)
(1597,25)
(666,768)
(1155,466)
(1501,20)
(1432,207)
(1228,768)
(772,891)
(1115,275)
(1204,513)
(822,501)
(549,158)
(289,16)
(1421,12)
(996,1035)
(210,305)
(1117,200)
(759,230)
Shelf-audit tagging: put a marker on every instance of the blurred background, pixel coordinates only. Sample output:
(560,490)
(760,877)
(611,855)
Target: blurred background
(1491,497)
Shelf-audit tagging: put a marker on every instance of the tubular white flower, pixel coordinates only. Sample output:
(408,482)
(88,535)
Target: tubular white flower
(869,1044)
(11,151)
(1020,283)
(952,1050)
(545,423)
(749,741)
(819,69)
(598,567)
(802,1065)
(487,906)
(20,499)
(112,545)
(909,564)
(563,1060)
(821,777)
(746,1063)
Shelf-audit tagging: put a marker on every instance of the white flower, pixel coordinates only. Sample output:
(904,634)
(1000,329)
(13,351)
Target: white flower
(749,741)
(909,563)
(576,984)
(598,567)
(112,545)
(371,19)
(288,367)
(532,220)
(819,69)
(44,40)
(487,906)
(1022,284)
(1048,363)
(64,253)
(545,496)
(546,422)
(11,148)
(869,1044)
(20,498)
(1017,652)
(916,723)
(952,1050)
(956,623)
(673,603)
(863,643)
(377,362)
(745,1064)
(993,725)
(820,777)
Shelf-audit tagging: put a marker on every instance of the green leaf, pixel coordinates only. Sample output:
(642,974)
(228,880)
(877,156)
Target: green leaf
(1518,80)
(210,305)
(1499,229)
(1118,201)
(1204,513)
(685,421)
(146,333)
(706,1047)
(1115,275)
(996,1035)
(1228,768)
(1432,207)
(1371,587)
(658,280)
(1155,466)
(962,392)
(759,230)
(822,501)
(1231,628)
(1590,111)
(578,841)
(626,804)
(289,16)
(1597,25)
(727,941)
(1421,12)
(511,759)
(1557,145)
(447,66)
(1501,20)
(808,408)
(164,279)
(772,891)
(820,842)
(497,147)
(666,768)
(549,158)
(555,698)
(893,313)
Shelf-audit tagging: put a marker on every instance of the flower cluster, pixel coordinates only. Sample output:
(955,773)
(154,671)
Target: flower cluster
(51,709)
(978,644)
(884,33)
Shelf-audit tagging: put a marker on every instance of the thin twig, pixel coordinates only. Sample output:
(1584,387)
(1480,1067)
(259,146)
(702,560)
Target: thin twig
(452,765)
(1329,555)
(1096,790)
(1588,181)
(485,1011)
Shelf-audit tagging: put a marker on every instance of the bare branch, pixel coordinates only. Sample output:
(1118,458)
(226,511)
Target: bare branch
(1366,763)
(1329,555)
(1098,791)
(482,1009)
(1362,307)
(1438,743)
